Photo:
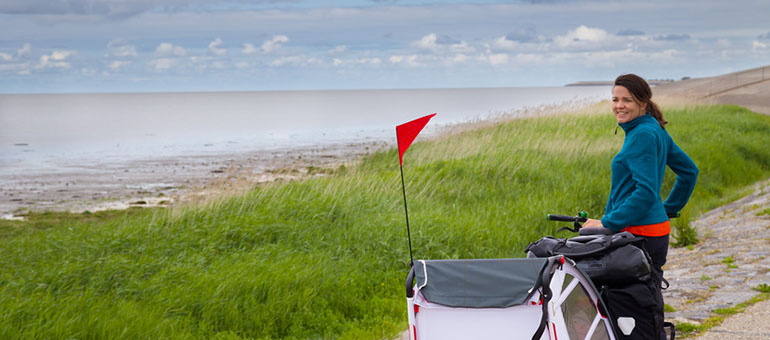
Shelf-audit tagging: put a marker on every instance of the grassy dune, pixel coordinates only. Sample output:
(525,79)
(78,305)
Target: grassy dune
(327,257)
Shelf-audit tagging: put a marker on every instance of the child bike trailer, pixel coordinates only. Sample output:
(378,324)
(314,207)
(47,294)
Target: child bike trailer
(527,298)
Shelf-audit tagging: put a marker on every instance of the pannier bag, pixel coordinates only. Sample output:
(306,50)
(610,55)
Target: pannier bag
(606,259)
(621,269)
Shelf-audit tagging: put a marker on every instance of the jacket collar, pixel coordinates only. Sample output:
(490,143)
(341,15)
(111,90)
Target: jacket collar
(638,120)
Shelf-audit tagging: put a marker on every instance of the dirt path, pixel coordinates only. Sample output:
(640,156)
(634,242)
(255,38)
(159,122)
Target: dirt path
(732,258)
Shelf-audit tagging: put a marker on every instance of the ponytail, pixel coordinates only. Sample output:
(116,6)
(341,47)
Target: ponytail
(654,110)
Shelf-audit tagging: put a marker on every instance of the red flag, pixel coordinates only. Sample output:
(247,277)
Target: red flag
(407,132)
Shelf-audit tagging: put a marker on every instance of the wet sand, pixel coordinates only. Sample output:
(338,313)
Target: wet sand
(166,181)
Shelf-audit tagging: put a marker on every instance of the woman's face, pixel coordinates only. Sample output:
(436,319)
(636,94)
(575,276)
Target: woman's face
(624,105)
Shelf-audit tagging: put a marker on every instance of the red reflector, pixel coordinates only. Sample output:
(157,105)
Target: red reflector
(416,309)
(561,259)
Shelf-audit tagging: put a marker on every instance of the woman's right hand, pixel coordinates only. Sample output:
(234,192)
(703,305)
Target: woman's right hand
(591,223)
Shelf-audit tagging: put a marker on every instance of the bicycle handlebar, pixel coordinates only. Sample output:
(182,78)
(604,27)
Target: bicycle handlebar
(565,218)
(582,217)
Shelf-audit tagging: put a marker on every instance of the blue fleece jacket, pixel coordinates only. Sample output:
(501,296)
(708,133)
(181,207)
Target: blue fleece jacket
(637,176)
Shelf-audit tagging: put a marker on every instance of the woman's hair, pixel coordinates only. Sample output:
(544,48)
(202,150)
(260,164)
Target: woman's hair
(642,93)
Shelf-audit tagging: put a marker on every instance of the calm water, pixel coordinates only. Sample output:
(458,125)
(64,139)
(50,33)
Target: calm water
(53,130)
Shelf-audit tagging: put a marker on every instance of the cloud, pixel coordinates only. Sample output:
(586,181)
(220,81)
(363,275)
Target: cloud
(759,45)
(5,56)
(162,64)
(584,37)
(407,60)
(495,59)
(119,48)
(338,49)
(294,61)
(357,61)
(724,43)
(120,9)
(57,59)
(764,36)
(214,47)
(24,50)
(168,49)
(673,37)
(629,32)
(117,64)
(275,43)
(441,43)
(249,49)
(524,34)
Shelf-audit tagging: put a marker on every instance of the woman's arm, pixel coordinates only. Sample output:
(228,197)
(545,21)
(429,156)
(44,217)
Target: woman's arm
(686,175)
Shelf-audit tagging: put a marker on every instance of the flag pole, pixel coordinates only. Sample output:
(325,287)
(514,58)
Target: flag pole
(405,135)
(406,213)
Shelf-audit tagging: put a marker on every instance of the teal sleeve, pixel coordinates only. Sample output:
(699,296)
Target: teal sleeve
(641,160)
(686,175)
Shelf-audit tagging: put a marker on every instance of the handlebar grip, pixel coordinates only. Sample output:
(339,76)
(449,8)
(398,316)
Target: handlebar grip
(562,218)
(674,215)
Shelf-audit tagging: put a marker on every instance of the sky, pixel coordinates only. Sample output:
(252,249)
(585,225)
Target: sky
(95,46)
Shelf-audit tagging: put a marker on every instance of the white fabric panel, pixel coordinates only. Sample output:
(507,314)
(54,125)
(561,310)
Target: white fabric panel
(518,322)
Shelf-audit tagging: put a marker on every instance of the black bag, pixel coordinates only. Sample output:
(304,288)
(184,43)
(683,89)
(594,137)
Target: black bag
(636,310)
(617,263)
(606,259)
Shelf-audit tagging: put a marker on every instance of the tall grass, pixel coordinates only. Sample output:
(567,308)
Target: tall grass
(327,257)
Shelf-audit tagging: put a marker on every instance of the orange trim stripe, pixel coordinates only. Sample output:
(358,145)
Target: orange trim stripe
(652,230)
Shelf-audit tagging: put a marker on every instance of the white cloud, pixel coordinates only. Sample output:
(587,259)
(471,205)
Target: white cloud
(26,49)
(117,64)
(275,43)
(502,43)
(295,61)
(357,61)
(408,60)
(214,47)
(5,56)
(167,49)
(338,49)
(162,64)
(459,58)
(724,43)
(119,48)
(495,59)
(584,37)
(758,45)
(242,65)
(249,49)
(441,43)
(55,60)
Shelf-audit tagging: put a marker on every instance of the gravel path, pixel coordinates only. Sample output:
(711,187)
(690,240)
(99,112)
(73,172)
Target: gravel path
(732,257)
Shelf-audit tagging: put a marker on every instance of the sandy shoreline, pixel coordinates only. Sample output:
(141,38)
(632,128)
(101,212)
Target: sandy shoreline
(166,181)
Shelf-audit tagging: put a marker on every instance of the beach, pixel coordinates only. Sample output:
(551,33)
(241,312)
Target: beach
(86,152)
(167,181)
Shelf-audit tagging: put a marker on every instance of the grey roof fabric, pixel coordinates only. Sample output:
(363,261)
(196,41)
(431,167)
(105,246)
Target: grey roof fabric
(484,283)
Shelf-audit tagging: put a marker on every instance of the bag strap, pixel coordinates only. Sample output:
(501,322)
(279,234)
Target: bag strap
(544,282)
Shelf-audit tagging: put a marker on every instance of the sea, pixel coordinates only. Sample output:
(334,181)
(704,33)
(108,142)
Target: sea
(54,131)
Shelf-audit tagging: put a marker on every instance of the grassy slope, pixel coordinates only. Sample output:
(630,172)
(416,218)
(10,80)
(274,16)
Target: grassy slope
(327,257)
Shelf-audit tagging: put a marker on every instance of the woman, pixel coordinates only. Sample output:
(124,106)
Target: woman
(635,204)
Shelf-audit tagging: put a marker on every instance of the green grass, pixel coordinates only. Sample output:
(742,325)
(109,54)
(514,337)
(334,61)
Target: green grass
(327,257)
(687,330)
